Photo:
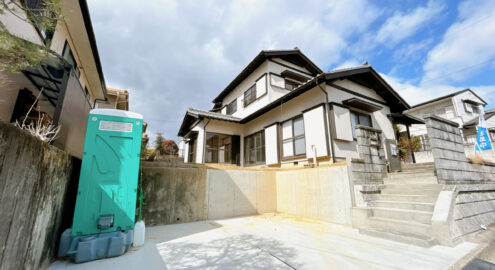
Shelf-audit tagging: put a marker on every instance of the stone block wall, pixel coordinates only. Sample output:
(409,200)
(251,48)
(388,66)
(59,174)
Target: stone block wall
(451,164)
(34,182)
(369,170)
(473,209)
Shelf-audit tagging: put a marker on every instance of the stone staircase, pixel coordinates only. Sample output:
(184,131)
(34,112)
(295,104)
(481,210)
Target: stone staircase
(405,206)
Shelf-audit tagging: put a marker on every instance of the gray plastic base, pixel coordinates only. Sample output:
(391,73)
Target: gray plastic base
(96,246)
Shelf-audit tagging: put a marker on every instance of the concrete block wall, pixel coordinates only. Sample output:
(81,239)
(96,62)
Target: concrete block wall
(371,167)
(368,171)
(473,209)
(450,160)
(34,181)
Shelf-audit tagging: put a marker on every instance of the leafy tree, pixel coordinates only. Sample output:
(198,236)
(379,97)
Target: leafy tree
(408,146)
(159,140)
(170,147)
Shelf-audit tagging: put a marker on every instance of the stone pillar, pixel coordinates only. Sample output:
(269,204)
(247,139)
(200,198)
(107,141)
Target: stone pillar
(369,170)
(447,148)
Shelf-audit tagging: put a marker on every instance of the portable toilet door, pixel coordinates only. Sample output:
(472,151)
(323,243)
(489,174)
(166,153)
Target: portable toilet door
(106,197)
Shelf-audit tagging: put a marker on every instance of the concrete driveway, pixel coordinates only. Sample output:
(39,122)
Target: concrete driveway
(272,242)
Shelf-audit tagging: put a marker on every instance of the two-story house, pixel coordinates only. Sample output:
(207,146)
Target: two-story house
(462,107)
(283,110)
(71,79)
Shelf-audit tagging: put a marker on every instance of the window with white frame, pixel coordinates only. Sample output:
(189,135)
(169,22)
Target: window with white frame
(293,141)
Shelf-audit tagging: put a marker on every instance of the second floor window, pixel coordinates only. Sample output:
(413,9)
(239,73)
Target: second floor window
(232,107)
(293,141)
(250,95)
(291,85)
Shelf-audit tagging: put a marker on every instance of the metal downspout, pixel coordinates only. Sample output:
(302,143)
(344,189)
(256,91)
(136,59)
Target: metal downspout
(327,119)
(204,141)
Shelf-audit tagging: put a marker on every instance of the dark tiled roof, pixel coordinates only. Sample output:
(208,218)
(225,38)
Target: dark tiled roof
(294,55)
(364,75)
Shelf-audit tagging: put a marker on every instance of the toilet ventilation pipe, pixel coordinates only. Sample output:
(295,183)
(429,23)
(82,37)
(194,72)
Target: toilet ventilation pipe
(327,117)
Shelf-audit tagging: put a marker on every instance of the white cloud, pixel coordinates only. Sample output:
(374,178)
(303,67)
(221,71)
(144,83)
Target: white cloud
(403,25)
(181,54)
(417,93)
(467,47)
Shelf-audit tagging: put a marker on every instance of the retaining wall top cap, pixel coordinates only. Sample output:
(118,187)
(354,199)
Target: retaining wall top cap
(443,120)
(369,128)
(115,112)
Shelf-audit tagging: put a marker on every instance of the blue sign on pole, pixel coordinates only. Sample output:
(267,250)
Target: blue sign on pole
(483,141)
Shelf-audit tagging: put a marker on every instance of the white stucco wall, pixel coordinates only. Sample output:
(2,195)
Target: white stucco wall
(271,144)
(266,90)
(315,132)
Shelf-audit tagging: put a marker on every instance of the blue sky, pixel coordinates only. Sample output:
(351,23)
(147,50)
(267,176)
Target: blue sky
(176,54)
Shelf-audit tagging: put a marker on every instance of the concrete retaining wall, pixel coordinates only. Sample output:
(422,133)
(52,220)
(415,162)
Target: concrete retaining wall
(173,195)
(34,178)
(320,193)
(176,195)
(240,192)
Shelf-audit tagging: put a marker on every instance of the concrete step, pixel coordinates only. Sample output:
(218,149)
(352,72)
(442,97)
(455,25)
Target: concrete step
(408,227)
(420,206)
(411,180)
(408,238)
(408,198)
(411,189)
(412,166)
(402,214)
(411,174)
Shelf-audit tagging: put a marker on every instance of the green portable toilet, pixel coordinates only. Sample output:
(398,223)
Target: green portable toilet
(107,191)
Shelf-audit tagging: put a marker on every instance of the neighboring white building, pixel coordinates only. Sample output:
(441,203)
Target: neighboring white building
(282,109)
(72,78)
(461,107)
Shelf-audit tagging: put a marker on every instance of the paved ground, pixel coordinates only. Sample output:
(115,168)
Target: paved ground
(272,242)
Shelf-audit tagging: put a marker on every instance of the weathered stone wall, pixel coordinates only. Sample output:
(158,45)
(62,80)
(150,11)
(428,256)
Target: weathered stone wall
(369,170)
(474,208)
(34,178)
(468,200)
(451,164)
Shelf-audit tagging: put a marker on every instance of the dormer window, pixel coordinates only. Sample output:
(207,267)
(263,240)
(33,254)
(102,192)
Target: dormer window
(250,95)
(232,107)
